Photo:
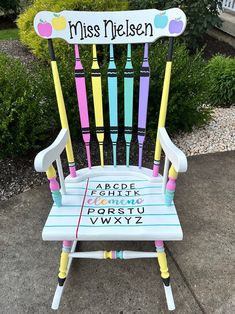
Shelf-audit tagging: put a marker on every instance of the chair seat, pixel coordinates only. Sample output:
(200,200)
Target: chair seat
(113,204)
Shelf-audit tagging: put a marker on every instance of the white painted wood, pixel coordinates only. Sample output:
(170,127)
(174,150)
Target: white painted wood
(98,171)
(169,298)
(134,255)
(47,156)
(60,289)
(91,254)
(165,174)
(61,175)
(126,254)
(57,297)
(139,200)
(173,153)
(83,27)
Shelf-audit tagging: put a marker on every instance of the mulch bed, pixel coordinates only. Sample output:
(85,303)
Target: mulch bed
(214,46)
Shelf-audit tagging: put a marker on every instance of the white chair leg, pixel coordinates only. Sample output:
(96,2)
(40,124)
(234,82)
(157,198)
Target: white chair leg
(165,275)
(59,289)
(57,297)
(169,298)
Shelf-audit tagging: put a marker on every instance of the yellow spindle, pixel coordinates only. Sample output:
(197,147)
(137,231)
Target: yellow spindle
(64,258)
(173,173)
(51,173)
(162,261)
(62,113)
(163,108)
(98,104)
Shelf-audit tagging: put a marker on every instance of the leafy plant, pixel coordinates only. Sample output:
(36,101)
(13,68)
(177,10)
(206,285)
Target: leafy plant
(10,7)
(221,81)
(38,45)
(201,15)
(26,114)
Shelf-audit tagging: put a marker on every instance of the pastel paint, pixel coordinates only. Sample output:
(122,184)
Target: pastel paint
(98,103)
(143,102)
(171,186)
(128,102)
(82,102)
(113,102)
(58,22)
(100,201)
(54,186)
(161,20)
(64,258)
(44,29)
(61,107)
(163,107)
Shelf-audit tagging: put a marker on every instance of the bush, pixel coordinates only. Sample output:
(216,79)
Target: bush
(221,81)
(201,15)
(10,7)
(38,45)
(25,112)
(187,90)
(28,106)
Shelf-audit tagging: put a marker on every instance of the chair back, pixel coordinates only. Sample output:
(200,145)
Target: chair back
(111,28)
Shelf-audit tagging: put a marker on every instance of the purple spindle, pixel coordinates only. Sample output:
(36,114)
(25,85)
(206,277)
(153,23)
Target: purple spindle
(143,102)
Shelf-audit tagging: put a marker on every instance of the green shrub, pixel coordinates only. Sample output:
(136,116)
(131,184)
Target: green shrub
(187,90)
(10,7)
(26,115)
(28,106)
(201,15)
(221,81)
(38,45)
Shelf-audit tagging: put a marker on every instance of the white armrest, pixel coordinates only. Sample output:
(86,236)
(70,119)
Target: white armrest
(173,153)
(46,157)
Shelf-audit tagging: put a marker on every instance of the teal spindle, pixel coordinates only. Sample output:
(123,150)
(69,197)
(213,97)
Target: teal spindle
(128,102)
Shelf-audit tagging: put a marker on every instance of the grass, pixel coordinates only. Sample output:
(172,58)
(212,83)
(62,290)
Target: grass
(9,34)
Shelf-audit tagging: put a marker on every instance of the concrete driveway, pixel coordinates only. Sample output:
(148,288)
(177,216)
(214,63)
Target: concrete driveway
(201,266)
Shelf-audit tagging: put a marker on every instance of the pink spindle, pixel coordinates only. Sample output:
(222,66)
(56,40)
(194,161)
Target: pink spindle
(159,243)
(171,184)
(67,243)
(82,103)
(54,185)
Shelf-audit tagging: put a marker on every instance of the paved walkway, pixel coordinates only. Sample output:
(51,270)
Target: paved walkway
(201,265)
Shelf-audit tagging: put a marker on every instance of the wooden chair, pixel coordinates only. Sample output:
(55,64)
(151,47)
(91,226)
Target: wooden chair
(112,202)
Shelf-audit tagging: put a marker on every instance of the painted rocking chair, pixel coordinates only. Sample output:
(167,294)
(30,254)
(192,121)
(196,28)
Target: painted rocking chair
(112,202)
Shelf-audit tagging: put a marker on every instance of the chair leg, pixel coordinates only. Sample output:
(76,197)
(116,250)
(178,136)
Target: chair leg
(162,261)
(65,263)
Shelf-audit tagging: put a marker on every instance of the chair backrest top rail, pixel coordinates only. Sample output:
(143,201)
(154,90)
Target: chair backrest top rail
(113,27)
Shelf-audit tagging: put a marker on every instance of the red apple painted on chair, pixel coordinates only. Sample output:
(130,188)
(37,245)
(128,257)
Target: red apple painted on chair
(161,20)
(176,26)
(44,29)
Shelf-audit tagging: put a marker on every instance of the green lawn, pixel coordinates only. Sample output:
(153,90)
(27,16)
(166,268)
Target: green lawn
(8,34)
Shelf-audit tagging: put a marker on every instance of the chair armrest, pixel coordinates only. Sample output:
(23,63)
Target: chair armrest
(47,156)
(173,153)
